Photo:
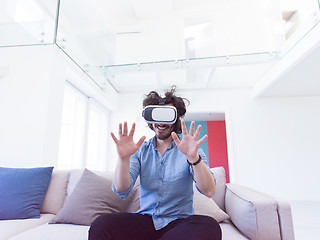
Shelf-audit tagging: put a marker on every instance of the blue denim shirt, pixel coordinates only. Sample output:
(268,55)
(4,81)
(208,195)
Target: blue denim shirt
(166,182)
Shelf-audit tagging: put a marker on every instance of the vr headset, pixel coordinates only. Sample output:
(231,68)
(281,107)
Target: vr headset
(160,114)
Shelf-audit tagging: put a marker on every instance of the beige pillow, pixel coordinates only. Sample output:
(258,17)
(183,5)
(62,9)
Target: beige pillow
(56,193)
(91,197)
(204,205)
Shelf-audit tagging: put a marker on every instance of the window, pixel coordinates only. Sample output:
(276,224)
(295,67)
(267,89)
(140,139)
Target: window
(83,138)
(96,137)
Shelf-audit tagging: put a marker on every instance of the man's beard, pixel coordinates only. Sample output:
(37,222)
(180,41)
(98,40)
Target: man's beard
(164,135)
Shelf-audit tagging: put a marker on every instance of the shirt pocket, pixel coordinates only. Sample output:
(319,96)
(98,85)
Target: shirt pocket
(176,173)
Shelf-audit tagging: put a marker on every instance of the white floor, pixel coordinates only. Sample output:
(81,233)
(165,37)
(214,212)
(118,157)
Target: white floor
(306,220)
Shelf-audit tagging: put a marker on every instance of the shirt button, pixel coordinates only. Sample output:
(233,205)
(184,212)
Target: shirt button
(159,195)
(162,163)
(161,179)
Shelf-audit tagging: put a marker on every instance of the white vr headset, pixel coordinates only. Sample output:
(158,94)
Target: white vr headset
(160,114)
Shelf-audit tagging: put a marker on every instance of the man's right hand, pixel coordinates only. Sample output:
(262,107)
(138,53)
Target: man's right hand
(125,144)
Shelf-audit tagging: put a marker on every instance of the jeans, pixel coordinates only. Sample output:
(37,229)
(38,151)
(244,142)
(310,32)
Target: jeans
(134,226)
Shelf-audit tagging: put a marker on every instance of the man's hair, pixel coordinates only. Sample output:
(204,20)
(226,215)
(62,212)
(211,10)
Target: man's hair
(153,98)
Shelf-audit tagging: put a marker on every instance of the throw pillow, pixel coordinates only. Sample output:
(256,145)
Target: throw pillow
(22,191)
(204,205)
(56,193)
(91,197)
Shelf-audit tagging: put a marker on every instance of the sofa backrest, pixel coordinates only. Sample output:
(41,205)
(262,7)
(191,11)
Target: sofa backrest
(219,195)
(63,182)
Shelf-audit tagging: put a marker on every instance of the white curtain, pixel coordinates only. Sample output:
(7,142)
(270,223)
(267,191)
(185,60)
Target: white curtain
(83,138)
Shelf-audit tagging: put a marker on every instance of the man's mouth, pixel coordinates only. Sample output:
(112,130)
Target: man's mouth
(163,131)
(162,127)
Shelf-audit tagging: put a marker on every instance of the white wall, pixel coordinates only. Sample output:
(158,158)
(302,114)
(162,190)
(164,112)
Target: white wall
(31,92)
(276,146)
(130,110)
(273,143)
(31,96)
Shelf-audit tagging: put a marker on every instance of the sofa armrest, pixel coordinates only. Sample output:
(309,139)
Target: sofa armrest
(258,216)
(286,221)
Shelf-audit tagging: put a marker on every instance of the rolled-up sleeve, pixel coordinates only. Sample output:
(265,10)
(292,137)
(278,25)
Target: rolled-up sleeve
(206,162)
(135,167)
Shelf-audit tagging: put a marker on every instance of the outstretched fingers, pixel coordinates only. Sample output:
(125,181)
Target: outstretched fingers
(120,129)
(132,129)
(123,132)
(184,128)
(201,140)
(141,140)
(197,133)
(125,129)
(175,138)
(114,138)
(191,131)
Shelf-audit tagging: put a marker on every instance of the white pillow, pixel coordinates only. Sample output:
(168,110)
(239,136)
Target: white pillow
(220,192)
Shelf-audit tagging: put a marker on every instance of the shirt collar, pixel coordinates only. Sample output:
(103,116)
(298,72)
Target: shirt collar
(154,139)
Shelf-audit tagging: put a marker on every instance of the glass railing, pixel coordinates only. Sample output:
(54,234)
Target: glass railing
(194,73)
(27,22)
(299,18)
(140,43)
(82,36)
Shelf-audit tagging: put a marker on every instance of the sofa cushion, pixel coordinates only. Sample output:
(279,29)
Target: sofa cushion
(54,232)
(91,197)
(9,228)
(229,231)
(57,191)
(22,191)
(204,205)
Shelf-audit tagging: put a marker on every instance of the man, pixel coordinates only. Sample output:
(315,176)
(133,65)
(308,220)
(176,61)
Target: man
(167,167)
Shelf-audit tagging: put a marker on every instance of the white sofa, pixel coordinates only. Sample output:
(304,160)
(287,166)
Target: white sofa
(249,214)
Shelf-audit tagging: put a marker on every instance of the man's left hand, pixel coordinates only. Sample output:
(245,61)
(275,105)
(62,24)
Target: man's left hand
(189,144)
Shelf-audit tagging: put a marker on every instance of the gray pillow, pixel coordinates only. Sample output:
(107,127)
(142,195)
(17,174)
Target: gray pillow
(91,197)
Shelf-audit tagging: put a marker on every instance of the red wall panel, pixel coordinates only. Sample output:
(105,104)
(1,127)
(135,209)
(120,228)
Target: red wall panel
(217,145)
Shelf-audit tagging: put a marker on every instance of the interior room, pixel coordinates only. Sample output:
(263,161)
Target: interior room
(71,71)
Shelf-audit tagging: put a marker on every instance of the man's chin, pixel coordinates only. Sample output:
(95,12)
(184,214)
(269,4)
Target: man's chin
(163,137)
